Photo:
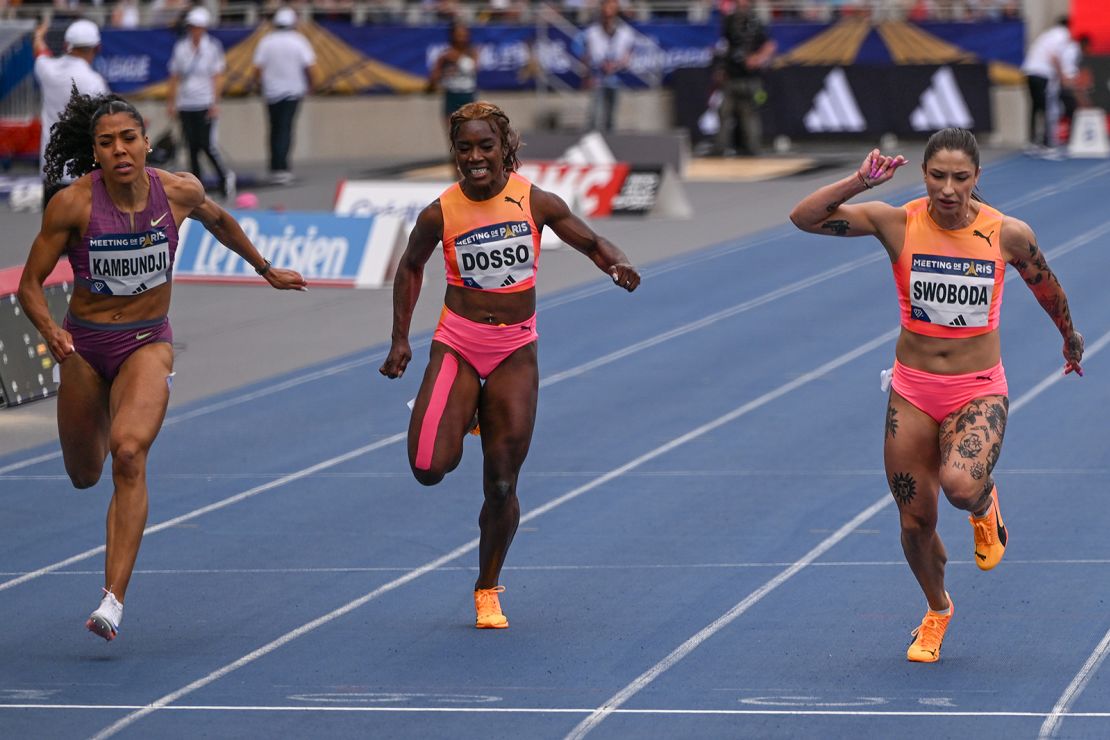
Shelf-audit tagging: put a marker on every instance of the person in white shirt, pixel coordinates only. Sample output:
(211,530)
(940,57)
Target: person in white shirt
(196,81)
(285,67)
(58,76)
(608,52)
(1043,73)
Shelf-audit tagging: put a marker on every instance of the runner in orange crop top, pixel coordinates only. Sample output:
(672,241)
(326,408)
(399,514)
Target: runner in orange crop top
(482,364)
(948,404)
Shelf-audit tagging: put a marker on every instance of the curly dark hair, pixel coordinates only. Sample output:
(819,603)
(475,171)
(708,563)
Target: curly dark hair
(480,110)
(70,150)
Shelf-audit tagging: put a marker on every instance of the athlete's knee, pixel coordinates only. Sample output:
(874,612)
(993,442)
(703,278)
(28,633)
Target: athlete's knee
(428,476)
(128,457)
(964,491)
(918,525)
(84,476)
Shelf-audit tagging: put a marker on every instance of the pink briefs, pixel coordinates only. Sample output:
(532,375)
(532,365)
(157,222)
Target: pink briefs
(484,346)
(940,395)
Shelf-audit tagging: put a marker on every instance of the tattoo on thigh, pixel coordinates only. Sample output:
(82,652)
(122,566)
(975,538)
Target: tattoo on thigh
(904,488)
(992,456)
(978,470)
(891,421)
(996,417)
(970,446)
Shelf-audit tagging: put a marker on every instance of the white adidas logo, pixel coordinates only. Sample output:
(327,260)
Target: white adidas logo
(942,105)
(835,107)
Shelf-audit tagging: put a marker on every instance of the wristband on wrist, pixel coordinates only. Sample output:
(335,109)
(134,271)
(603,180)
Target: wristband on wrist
(862,180)
(264,268)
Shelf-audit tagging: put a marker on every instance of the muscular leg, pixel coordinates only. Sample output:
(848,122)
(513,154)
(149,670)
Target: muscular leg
(442,414)
(82,421)
(138,403)
(507,414)
(970,443)
(912,458)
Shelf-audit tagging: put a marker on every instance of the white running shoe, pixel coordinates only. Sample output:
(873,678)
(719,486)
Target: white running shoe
(105,620)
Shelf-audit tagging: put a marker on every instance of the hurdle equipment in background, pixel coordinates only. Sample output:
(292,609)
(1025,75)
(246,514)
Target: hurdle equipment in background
(1088,134)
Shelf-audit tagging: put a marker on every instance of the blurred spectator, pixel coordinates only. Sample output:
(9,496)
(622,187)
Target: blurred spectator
(1076,87)
(608,51)
(285,67)
(59,76)
(455,71)
(125,14)
(1042,67)
(742,52)
(195,85)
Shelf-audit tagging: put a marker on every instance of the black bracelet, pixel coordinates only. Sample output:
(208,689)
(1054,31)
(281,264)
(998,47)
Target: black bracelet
(862,180)
(264,269)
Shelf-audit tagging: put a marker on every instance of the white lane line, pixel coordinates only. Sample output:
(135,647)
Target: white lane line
(1090,667)
(555,710)
(550,380)
(643,680)
(249,493)
(357,570)
(458,552)
(1047,190)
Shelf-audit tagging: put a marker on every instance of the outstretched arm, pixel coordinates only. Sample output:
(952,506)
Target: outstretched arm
(825,211)
(549,209)
(187,194)
(1019,247)
(425,235)
(58,222)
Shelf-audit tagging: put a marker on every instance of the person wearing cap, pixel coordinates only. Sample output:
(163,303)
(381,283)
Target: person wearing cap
(196,79)
(57,76)
(285,68)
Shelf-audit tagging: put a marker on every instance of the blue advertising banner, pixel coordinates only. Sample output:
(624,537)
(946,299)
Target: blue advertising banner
(387,58)
(329,250)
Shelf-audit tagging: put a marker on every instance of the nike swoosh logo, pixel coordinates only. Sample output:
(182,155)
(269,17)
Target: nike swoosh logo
(143,335)
(158,220)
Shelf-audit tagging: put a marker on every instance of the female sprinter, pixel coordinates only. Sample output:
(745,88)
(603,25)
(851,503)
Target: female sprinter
(118,222)
(948,403)
(490,224)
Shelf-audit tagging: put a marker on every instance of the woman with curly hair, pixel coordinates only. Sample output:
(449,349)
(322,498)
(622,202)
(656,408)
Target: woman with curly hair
(483,364)
(119,223)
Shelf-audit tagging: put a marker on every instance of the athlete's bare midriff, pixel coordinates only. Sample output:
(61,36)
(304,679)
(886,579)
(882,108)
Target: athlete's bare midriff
(488,307)
(945,356)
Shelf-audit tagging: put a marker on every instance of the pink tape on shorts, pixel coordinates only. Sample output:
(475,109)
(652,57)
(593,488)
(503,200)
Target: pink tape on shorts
(428,428)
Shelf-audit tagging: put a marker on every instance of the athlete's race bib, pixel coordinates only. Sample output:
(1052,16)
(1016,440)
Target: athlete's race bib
(128,264)
(953,291)
(495,256)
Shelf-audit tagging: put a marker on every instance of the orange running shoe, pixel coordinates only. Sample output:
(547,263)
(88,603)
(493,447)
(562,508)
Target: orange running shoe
(929,635)
(488,607)
(474,428)
(990,535)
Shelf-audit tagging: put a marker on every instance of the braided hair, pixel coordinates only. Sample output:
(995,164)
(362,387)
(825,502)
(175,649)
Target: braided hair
(70,151)
(483,111)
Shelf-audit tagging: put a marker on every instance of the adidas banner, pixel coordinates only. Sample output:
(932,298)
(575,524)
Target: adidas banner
(908,100)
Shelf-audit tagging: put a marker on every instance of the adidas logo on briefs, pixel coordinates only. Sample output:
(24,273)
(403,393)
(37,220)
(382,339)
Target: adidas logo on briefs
(958,321)
(835,107)
(942,105)
(508,281)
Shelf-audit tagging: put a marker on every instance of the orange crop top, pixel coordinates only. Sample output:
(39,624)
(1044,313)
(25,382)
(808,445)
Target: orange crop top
(491,244)
(950,281)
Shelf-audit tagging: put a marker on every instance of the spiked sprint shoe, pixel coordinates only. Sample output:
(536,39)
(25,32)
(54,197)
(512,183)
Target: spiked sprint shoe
(488,608)
(990,535)
(929,635)
(105,620)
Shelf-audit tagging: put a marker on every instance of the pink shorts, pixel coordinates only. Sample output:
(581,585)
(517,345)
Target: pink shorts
(484,346)
(940,395)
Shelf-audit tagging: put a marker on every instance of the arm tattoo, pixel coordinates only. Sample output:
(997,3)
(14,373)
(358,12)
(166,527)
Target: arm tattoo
(837,226)
(834,205)
(904,488)
(1046,287)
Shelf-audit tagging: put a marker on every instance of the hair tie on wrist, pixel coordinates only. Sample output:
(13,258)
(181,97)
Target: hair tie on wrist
(862,180)
(264,269)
